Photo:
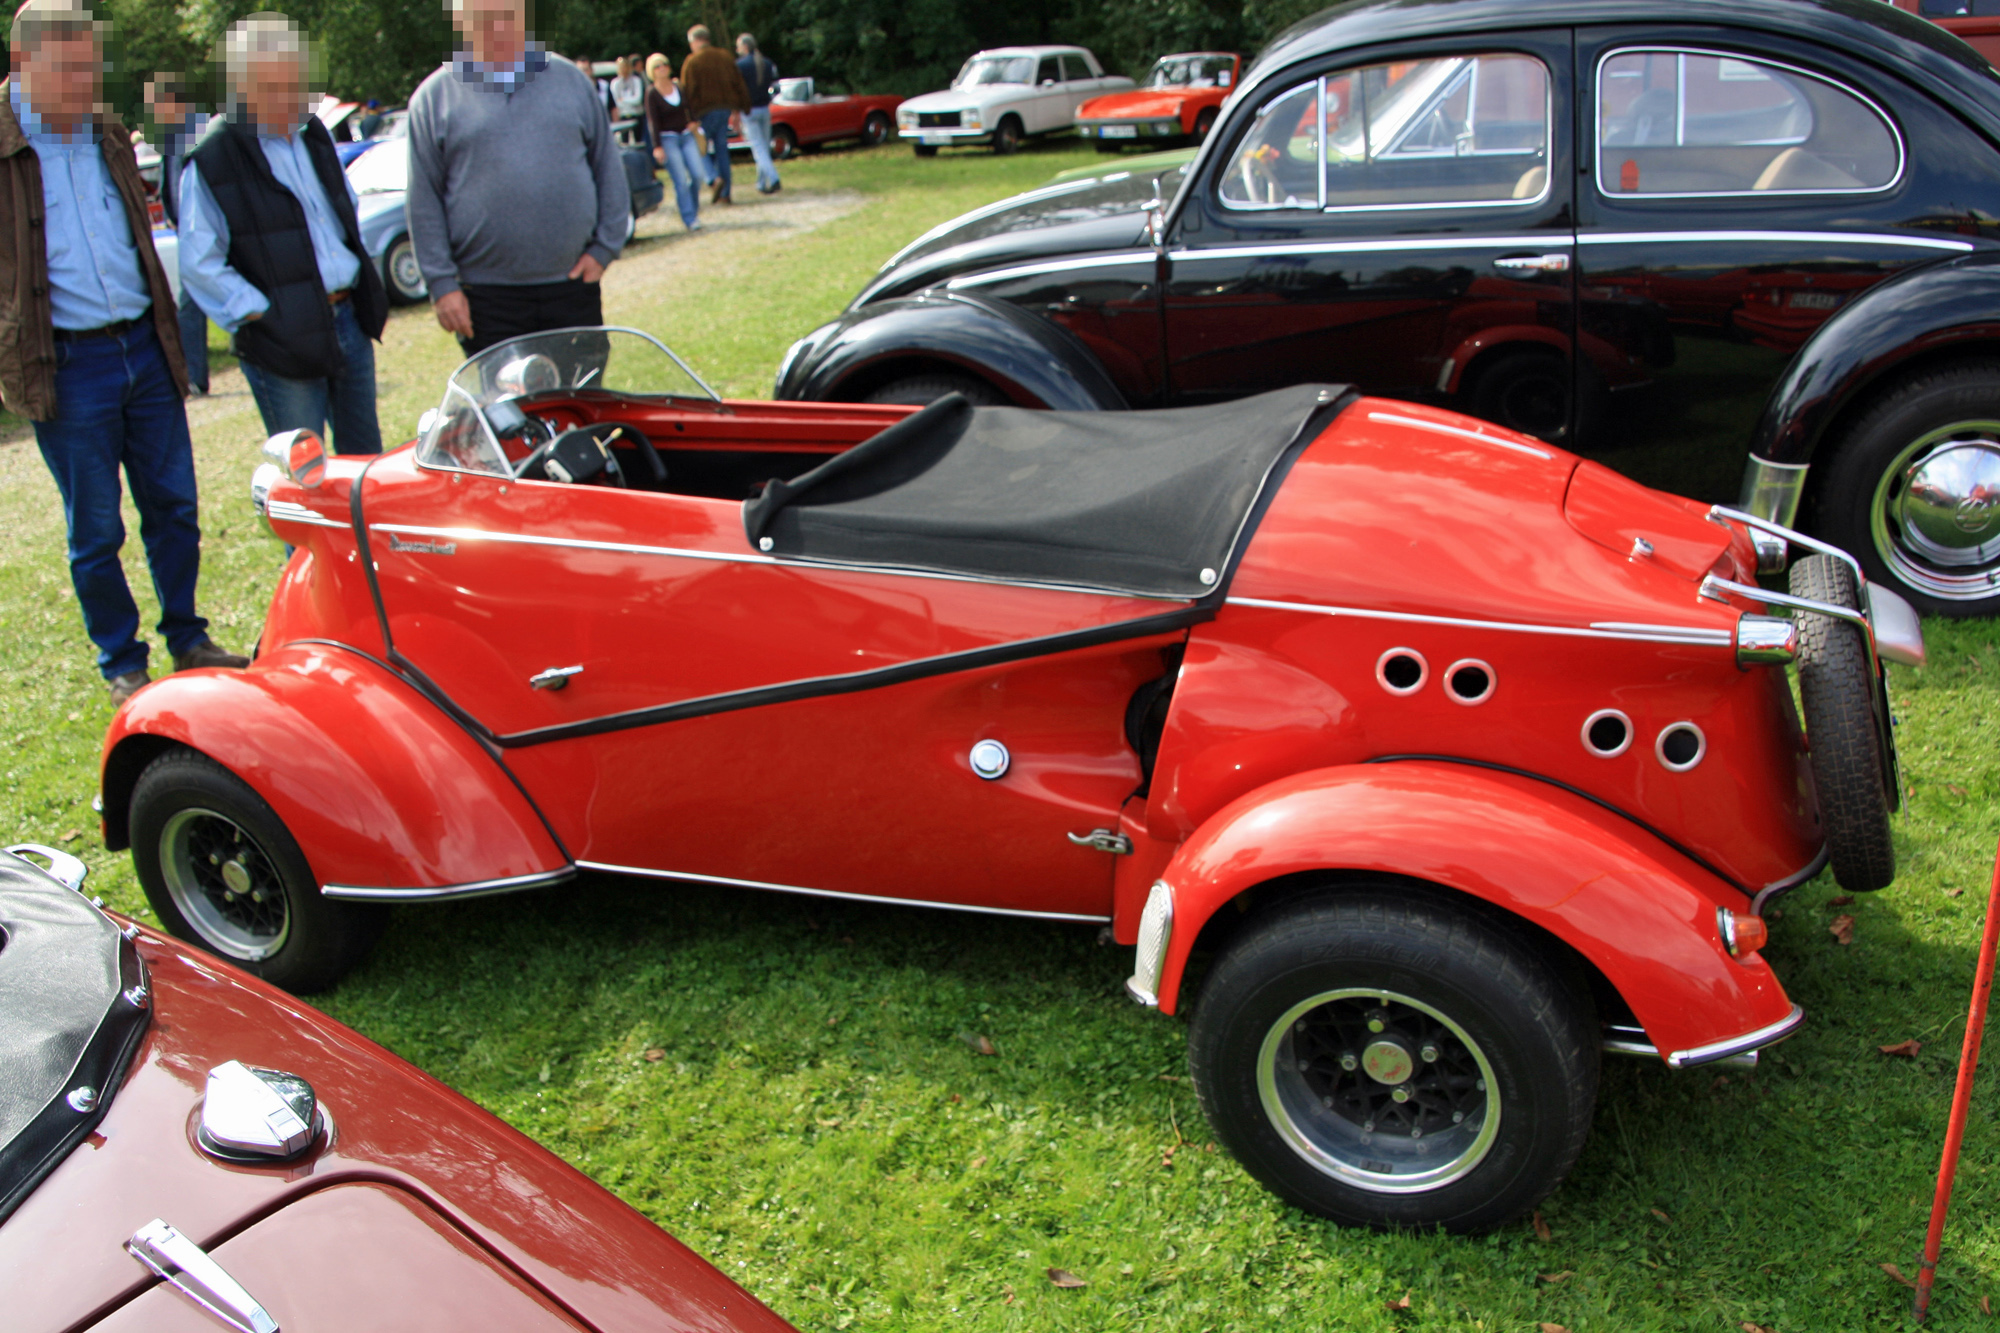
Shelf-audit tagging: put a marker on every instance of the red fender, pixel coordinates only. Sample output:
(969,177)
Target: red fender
(1642,913)
(379,787)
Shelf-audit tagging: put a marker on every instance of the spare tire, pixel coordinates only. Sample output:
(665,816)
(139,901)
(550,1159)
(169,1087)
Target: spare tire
(1841,695)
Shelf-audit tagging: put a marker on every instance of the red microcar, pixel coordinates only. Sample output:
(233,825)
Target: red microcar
(1177,102)
(1450,758)
(802,117)
(184,1149)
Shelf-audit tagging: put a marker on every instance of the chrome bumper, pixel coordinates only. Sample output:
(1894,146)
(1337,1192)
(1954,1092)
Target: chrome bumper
(1738,1051)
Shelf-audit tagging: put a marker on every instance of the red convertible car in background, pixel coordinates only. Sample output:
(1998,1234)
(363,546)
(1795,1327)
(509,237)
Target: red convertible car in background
(1457,759)
(1176,103)
(804,119)
(296,1175)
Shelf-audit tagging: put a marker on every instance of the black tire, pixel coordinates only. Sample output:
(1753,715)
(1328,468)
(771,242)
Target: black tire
(1908,490)
(1527,389)
(222,873)
(1840,696)
(1007,135)
(1511,1041)
(875,130)
(784,143)
(924,149)
(401,274)
(919,390)
(1203,123)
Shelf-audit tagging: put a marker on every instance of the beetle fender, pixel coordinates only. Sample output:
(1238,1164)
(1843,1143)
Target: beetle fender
(386,790)
(1642,913)
(1941,307)
(1033,362)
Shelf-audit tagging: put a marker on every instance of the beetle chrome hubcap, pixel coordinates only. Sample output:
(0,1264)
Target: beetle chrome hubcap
(1936,515)
(1378,1090)
(224,885)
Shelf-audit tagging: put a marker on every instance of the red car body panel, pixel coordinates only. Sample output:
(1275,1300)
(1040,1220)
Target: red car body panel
(1183,104)
(1399,527)
(832,117)
(443,1204)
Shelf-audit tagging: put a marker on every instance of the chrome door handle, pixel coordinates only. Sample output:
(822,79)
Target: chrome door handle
(1104,840)
(186,1267)
(554,678)
(1556,263)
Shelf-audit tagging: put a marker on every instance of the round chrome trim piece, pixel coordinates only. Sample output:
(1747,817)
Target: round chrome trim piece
(1352,1157)
(989,759)
(198,902)
(1935,517)
(1599,716)
(1474,664)
(1382,670)
(1660,746)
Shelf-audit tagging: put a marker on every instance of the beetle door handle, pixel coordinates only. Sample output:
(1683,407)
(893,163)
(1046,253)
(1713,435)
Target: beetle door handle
(1553,263)
(554,678)
(186,1267)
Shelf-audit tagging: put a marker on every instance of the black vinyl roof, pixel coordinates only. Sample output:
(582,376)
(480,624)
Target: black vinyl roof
(1154,503)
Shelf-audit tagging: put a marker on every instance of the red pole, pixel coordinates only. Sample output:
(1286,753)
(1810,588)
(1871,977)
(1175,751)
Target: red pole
(1961,1098)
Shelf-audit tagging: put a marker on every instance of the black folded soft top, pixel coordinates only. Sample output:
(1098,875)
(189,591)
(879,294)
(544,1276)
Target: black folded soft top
(1155,503)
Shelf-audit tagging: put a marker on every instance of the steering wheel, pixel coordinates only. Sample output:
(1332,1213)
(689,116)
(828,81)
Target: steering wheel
(600,435)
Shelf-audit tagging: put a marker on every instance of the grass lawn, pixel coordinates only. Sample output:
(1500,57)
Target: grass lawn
(783,1083)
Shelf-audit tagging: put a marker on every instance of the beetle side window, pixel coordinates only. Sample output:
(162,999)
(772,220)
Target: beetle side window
(1457,131)
(1691,123)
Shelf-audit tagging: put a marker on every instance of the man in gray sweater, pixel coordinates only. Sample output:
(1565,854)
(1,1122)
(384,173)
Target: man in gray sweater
(518,198)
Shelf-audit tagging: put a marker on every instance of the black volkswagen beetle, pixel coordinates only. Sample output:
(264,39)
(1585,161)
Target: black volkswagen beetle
(1748,250)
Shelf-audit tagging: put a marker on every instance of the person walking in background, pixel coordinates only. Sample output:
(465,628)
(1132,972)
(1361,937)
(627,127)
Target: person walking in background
(673,138)
(90,345)
(179,125)
(371,120)
(716,99)
(760,78)
(518,198)
(271,248)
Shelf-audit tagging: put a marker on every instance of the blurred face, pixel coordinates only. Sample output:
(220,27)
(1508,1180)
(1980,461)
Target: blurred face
(62,80)
(741,49)
(697,41)
(663,77)
(496,30)
(167,109)
(273,92)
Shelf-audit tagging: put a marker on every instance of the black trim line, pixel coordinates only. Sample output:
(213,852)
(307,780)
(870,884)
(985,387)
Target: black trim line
(1597,801)
(367,552)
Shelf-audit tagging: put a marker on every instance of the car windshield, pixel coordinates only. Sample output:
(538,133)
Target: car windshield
(545,367)
(381,170)
(982,70)
(1191,72)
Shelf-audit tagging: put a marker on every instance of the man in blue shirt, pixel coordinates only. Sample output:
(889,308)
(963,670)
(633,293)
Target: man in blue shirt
(271,247)
(89,343)
(178,124)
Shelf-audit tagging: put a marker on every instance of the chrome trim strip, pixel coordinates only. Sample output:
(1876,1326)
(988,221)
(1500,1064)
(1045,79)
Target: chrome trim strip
(727,882)
(478,888)
(1710,237)
(1597,122)
(750,558)
(1777,529)
(1791,881)
(1392,419)
(1749,1041)
(1631,1041)
(1772,491)
(1707,638)
(1710,584)
(286,511)
(1545,241)
(1050,266)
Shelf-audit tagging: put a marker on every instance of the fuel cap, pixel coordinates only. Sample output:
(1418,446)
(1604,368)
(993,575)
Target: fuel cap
(250,1114)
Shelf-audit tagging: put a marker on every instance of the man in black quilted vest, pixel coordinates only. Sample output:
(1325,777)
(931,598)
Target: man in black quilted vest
(271,249)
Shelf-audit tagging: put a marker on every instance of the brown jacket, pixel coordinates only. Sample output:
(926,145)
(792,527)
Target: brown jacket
(709,82)
(27,311)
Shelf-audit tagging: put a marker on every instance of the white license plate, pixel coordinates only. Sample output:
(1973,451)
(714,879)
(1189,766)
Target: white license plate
(934,138)
(1118,132)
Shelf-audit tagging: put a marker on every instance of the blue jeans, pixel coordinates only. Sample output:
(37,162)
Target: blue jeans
(194,342)
(757,133)
(683,161)
(346,397)
(116,406)
(715,124)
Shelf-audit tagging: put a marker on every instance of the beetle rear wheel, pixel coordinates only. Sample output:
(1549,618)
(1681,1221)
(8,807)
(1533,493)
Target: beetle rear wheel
(222,872)
(1840,694)
(921,390)
(1386,1058)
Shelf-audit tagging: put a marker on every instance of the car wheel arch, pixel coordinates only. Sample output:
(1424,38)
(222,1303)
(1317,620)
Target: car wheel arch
(866,378)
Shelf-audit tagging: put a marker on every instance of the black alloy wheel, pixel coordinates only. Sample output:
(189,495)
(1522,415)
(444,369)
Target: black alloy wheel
(222,872)
(875,130)
(1203,123)
(1388,1056)
(784,143)
(1007,135)
(1912,490)
(921,390)
(1526,390)
(1842,698)
(401,273)
(924,149)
